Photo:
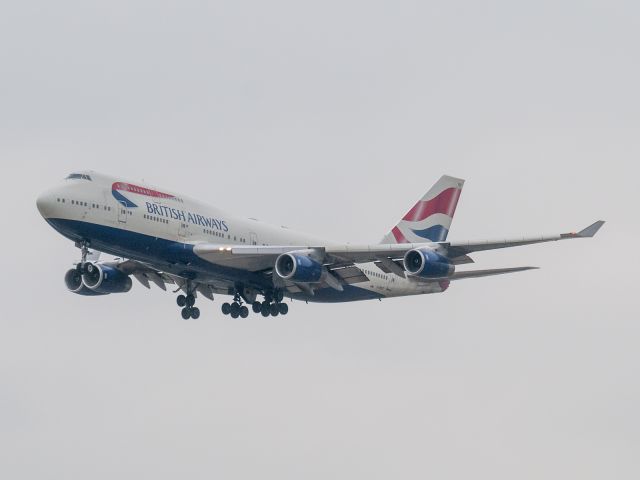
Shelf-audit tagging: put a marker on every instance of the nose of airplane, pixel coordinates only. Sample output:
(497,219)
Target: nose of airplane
(45,203)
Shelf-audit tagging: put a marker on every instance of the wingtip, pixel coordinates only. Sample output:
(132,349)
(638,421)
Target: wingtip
(591,230)
(526,269)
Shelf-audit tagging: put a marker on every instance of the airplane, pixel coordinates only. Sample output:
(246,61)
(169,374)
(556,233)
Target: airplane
(164,238)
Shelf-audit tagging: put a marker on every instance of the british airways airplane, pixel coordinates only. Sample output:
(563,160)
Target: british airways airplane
(164,238)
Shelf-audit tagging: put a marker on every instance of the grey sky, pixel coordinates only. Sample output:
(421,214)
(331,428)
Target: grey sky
(330,117)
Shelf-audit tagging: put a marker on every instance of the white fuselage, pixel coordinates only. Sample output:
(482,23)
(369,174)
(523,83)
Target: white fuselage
(147,224)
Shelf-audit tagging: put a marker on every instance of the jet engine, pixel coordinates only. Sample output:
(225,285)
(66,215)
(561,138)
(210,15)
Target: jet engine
(73,281)
(102,278)
(298,267)
(425,263)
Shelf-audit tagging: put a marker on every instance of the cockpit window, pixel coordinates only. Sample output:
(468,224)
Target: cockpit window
(78,176)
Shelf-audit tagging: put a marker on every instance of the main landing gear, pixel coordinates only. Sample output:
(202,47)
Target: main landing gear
(235,309)
(272,305)
(187,303)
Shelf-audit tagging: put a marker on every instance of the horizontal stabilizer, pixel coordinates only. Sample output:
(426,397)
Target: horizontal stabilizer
(488,273)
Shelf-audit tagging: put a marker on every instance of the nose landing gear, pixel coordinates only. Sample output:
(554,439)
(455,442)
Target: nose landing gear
(84,249)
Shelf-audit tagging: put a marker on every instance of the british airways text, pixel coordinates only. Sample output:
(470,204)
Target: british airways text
(174,213)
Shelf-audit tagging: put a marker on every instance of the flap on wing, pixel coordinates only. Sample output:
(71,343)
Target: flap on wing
(350,275)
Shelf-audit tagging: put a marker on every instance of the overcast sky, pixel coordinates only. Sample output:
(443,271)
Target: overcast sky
(333,118)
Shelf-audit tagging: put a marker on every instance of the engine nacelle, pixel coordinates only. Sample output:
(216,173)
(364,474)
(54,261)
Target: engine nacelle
(102,278)
(73,281)
(298,267)
(425,263)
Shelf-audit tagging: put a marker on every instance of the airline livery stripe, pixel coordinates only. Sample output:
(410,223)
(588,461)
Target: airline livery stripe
(444,203)
(398,235)
(437,233)
(127,187)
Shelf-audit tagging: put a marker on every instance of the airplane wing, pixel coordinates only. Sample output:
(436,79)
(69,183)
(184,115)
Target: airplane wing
(454,250)
(257,258)
(339,261)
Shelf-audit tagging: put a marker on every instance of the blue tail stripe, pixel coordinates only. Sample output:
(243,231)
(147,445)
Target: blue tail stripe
(437,233)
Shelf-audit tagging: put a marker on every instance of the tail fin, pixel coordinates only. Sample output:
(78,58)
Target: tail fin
(430,219)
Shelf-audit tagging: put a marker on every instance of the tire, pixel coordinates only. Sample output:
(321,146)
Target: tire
(181,300)
(274,310)
(284,308)
(186,313)
(265,310)
(195,313)
(278,296)
(235,314)
(244,312)
(257,307)
(226,308)
(235,310)
(191,300)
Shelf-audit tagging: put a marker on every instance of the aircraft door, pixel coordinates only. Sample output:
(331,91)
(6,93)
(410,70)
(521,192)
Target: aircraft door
(122,213)
(253,238)
(183,232)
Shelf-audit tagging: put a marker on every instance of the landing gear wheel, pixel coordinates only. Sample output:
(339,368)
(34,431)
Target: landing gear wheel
(235,314)
(181,300)
(278,296)
(235,310)
(265,310)
(257,306)
(284,308)
(195,313)
(226,309)
(191,300)
(244,311)
(186,313)
(274,310)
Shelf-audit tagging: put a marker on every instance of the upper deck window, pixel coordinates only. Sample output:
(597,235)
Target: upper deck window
(78,176)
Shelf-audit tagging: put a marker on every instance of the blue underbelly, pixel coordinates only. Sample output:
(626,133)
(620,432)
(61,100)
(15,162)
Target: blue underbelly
(179,259)
(166,255)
